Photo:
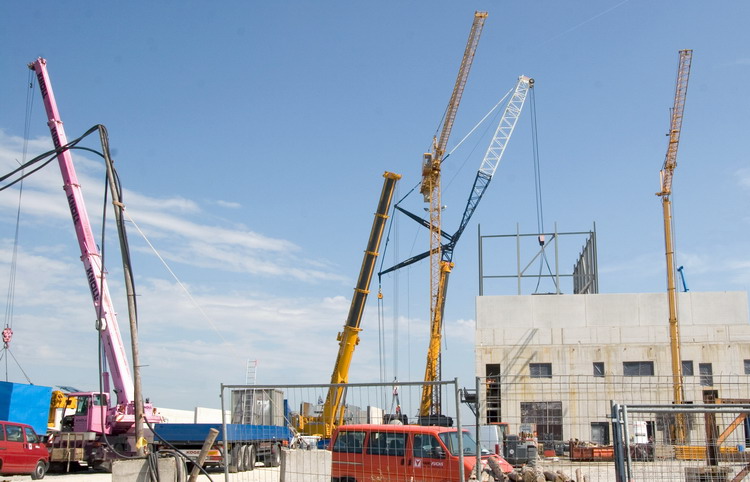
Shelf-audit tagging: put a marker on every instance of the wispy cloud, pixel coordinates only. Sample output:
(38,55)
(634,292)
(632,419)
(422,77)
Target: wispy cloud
(228,204)
(743,177)
(173,224)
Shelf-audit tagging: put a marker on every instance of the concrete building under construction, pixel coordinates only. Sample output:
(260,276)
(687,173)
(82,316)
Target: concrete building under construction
(562,358)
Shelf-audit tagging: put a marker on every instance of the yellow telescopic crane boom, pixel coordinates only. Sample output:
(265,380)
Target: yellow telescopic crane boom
(333,408)
(667,171)
(431,191)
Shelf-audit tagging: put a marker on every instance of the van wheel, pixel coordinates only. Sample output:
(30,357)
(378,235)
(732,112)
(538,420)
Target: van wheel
(39,470)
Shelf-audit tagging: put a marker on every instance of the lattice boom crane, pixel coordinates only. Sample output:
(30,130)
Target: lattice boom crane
(667,172)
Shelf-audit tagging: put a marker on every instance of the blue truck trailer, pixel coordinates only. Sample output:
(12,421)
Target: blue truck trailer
(244,444)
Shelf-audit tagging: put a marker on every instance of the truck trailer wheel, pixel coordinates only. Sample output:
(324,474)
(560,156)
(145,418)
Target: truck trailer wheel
(250,457)
(241,456)
(274,459)
(234,459)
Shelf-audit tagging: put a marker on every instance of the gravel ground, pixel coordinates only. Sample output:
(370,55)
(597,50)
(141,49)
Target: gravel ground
(260,474)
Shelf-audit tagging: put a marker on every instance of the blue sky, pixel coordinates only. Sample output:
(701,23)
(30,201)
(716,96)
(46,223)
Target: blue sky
(250,139)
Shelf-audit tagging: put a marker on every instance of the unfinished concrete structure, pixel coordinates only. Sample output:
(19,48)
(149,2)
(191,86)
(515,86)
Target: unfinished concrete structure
(558,360)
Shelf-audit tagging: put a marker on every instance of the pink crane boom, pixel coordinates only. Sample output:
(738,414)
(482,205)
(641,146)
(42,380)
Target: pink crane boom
(106,322)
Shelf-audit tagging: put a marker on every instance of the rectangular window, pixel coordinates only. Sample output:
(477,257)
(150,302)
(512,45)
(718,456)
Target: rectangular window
(387,443)
(600,432)
(747,367)
(349,442)
(707,374)
(687,368)
(426,446)
(599,369)
(548,417)
(15,433)
(540,370)
(638,368)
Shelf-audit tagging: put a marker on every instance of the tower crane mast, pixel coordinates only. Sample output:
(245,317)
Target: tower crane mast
(431,189)
(667,172)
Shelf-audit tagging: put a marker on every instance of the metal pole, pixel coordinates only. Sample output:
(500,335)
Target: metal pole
(557,264)
(225,447)
(460,434)
(596,262)
(518,255)
(130,291)
(481,273)
(617,441)
(627,441)
(478,408)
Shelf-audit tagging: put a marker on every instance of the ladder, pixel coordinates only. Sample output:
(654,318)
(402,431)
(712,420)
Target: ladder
(248,397)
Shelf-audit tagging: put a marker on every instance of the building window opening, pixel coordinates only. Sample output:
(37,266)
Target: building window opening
(707,374)
(540,370)
(600,433)
(638,368)
(687,368)
(546,418)
(599,369)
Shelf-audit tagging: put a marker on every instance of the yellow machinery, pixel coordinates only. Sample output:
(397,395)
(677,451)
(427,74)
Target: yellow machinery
(430,189)
(333,408)
(667,171)
(59,404)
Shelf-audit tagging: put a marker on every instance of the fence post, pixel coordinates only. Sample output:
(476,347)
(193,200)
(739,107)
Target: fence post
(617,443)
(477,410)
(459,432)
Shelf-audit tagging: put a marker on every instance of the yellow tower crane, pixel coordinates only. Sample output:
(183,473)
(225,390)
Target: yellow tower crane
(667,172)
(431,191)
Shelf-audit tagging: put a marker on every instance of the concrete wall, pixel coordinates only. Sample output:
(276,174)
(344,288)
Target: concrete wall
(571,332)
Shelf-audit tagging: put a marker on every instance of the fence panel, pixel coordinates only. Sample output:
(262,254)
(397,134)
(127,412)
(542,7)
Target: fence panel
(307,455)
(570,420)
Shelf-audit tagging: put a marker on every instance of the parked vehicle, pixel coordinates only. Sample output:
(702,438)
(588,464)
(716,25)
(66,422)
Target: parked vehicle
(22,451)
(403,452)
(491,436)
(245,444)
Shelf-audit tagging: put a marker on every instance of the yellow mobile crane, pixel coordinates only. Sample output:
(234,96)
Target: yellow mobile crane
(667,171)
(333,408)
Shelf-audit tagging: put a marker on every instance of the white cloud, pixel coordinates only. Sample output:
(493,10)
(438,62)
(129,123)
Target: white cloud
(169,222)
(228,204)
(743,177)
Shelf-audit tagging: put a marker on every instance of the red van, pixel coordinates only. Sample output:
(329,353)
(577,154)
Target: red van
(364,453)
(22,451)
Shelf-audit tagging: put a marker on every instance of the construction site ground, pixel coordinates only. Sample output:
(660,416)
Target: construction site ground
(258,475)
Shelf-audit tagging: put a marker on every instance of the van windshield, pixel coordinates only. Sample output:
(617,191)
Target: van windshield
(450,439)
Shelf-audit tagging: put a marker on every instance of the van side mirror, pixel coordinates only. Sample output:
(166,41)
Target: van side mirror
(438,452)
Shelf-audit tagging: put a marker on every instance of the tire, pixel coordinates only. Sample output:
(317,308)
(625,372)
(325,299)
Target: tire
(234,459)
(241,456)
(274,460)
(39,470)
(250,457)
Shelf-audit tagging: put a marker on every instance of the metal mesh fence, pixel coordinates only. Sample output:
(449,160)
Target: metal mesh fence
(569,421)
(594,428)
(302,419)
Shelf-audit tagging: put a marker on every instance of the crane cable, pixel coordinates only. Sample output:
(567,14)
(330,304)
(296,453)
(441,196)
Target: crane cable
(7,332)
(538,192)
